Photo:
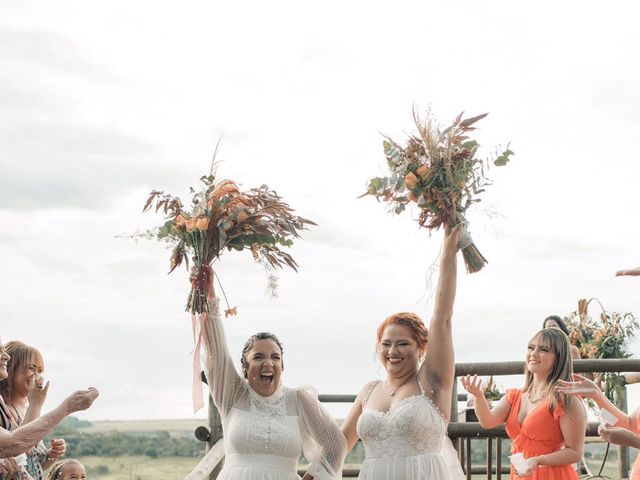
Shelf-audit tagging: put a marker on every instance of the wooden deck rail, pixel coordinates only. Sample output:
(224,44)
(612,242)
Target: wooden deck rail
(462,432)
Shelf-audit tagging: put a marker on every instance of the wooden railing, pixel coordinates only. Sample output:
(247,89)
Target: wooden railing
(460,432)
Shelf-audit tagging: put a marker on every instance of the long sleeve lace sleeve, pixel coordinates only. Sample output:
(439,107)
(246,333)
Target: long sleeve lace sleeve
(324,445)
(225,384)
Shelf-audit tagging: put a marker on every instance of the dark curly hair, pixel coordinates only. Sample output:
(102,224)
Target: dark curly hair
(249,345)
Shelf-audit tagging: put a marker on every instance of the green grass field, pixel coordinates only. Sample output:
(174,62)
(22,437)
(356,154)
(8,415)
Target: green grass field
(175,427)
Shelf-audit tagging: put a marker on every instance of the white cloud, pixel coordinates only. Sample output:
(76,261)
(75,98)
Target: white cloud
(105,101)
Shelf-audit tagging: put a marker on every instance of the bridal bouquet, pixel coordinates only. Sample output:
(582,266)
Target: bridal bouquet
(221,218)
(439,171)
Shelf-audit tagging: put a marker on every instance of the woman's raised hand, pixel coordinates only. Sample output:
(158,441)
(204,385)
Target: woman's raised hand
(581,386)
(473,385)
(450,245)
(38,389)
(80,400)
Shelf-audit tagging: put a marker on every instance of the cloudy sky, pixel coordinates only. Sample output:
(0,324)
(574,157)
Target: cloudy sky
(103,101)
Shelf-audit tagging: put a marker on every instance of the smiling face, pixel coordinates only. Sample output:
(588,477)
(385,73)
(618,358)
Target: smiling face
(398,350)
(73,471)
(264,366)
(540,357)
(25,374)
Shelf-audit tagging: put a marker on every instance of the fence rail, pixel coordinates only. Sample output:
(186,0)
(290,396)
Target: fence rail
(462,432)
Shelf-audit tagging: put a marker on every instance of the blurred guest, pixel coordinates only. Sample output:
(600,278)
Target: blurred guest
(25,367)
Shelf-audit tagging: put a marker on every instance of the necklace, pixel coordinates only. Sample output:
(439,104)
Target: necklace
(393,391)
(533,398)
(18,418)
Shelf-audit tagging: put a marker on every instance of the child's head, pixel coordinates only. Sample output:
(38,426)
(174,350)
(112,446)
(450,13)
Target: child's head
(68,469)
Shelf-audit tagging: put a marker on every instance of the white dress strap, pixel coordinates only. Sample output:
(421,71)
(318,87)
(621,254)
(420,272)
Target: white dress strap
(372,386)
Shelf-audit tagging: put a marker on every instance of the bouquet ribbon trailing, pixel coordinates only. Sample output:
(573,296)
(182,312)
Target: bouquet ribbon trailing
(199,279)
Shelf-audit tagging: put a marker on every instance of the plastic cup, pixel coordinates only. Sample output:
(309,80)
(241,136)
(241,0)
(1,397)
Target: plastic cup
(520,463)
(607,418)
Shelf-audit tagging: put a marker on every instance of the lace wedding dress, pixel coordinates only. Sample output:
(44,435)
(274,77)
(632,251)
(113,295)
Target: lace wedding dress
(263,436)
(407,442)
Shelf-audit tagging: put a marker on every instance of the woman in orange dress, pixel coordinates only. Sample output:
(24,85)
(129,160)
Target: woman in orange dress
(546,426)
(624,430)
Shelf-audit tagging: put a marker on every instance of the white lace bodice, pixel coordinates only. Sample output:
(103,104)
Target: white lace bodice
(412,427)
(265,429)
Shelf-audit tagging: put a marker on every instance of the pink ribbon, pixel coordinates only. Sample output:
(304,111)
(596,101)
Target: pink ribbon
(197,391)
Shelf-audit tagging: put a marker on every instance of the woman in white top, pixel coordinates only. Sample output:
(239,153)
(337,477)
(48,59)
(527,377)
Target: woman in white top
(266,425)
(402,421)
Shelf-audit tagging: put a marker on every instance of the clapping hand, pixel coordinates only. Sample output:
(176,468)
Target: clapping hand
(81,400)
(619,436)
(37,390)
(581,386)
(473,385)
(58,448)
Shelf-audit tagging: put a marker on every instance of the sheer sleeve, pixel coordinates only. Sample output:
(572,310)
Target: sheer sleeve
(324,444)
(225,384)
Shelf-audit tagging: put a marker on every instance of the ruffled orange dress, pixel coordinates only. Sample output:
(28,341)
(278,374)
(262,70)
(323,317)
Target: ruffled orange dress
(539,434)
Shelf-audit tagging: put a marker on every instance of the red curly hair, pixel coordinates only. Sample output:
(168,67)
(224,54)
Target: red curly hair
(413,322)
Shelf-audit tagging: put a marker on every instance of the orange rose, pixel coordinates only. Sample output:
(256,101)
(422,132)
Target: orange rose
(423,171)
(202,224)
(410,181)
(179,220)
(191,224)
(225,187)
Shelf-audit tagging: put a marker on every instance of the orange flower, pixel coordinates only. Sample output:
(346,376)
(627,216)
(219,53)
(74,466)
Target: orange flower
(202,224)
(179,220)
(242,216)
(225,187)
(231,312)
(191,224)
(423,171)
(410,181)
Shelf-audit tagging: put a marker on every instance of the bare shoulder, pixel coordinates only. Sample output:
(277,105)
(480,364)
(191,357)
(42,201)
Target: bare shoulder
(575,407)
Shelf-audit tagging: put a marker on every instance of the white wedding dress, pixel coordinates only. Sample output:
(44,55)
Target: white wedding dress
(407,442)
(263,436)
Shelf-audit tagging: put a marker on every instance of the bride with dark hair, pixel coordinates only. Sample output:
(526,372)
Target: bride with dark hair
(266,425)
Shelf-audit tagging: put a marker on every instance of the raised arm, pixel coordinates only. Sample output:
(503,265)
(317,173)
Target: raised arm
(633,272)
(487,416)
(436,372)
(18,441)
(225,384)
(325,447)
